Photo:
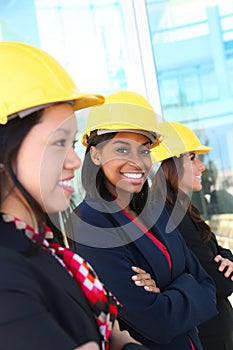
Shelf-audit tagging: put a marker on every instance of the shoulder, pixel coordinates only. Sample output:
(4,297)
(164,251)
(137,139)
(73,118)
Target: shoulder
(100,224)
(9,256)
(98,213)
(183,221)
(15,271)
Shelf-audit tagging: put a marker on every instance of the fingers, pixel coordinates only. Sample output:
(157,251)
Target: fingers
(152,289)
(138,270)
(143,279)
(225,266)
(142,276)
(218,258)
(119,338)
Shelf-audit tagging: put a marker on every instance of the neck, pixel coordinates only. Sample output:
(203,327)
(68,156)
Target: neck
(20,210)
(123,199)
(124,205)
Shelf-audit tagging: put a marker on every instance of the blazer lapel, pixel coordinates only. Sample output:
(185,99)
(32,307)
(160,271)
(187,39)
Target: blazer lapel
(148,249)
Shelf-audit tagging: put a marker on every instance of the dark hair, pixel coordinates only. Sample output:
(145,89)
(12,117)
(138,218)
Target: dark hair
(166,185)
(94,180)
(11,137)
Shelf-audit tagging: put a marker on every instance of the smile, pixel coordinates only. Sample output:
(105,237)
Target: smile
(67,185)
(133,175)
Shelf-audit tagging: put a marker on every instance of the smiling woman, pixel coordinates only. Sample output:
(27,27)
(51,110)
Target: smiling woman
(45,300)
(125,161)
(180,175)
(193,168)
(51,139)
(115,229)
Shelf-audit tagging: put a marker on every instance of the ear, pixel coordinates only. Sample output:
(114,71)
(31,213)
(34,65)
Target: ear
(95,155)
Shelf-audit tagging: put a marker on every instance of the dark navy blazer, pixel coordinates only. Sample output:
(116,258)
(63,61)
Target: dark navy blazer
(113,244)
(41,305)
(219,328)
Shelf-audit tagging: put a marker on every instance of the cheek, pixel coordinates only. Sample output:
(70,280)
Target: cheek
(187,169)
(108,161)
(28,168)
(148,163)
(187,178)
(51,164)
(109,167)
(29,177)
(39,172)
(111,170)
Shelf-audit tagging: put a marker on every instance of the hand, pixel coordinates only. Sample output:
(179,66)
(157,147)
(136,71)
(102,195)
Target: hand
(143,279)
(225,265)
(91,345)
(119,339)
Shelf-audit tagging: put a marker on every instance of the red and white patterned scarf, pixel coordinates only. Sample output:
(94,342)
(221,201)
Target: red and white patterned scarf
(103,304)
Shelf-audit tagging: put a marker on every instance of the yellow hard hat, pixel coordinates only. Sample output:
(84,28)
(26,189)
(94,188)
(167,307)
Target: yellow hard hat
(177,139)
(30,77)
(123,111)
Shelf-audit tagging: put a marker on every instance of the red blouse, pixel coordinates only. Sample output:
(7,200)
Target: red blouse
(159,244)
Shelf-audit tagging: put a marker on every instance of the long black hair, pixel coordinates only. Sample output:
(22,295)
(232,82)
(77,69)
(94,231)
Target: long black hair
(94,180)
(165,185)
(12,136)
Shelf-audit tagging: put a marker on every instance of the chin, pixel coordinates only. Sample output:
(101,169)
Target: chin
(55,209)
(197,188)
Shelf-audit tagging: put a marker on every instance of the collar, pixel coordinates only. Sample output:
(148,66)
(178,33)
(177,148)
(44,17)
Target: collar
(29,230)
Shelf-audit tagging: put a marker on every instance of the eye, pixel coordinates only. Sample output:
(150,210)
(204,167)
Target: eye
(192,156)
(145,151)
(60,143)
(122,150)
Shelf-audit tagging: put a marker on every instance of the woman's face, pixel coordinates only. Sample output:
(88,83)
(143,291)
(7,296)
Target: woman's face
(192,171)
(47,161)
(125,161)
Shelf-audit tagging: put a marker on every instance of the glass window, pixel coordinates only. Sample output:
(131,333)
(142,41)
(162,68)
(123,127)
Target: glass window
(194,40)
(169,91)
(88,39)
(191,87)
(96,40)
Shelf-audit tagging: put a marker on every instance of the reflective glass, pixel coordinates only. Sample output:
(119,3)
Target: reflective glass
(86,36)
(193,52)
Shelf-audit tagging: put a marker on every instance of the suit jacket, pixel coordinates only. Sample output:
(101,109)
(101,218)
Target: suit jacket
(220,326)
(113,244)
(41,305)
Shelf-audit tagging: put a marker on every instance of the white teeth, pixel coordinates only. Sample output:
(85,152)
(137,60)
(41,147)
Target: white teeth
(133,175)
(66,183)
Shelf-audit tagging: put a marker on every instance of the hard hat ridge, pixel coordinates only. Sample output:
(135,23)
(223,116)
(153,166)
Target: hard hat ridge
(177,139)
(123,111)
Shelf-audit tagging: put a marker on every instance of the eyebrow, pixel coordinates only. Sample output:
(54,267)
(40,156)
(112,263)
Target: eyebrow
(62,130)
(65,131)
(127,143)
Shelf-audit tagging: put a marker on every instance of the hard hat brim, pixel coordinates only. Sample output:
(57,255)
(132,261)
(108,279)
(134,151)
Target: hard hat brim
(150,135)
(87,100)
(81,102)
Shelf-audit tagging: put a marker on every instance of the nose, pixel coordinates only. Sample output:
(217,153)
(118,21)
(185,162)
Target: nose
(201,165)
(72,160)
(141,162)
